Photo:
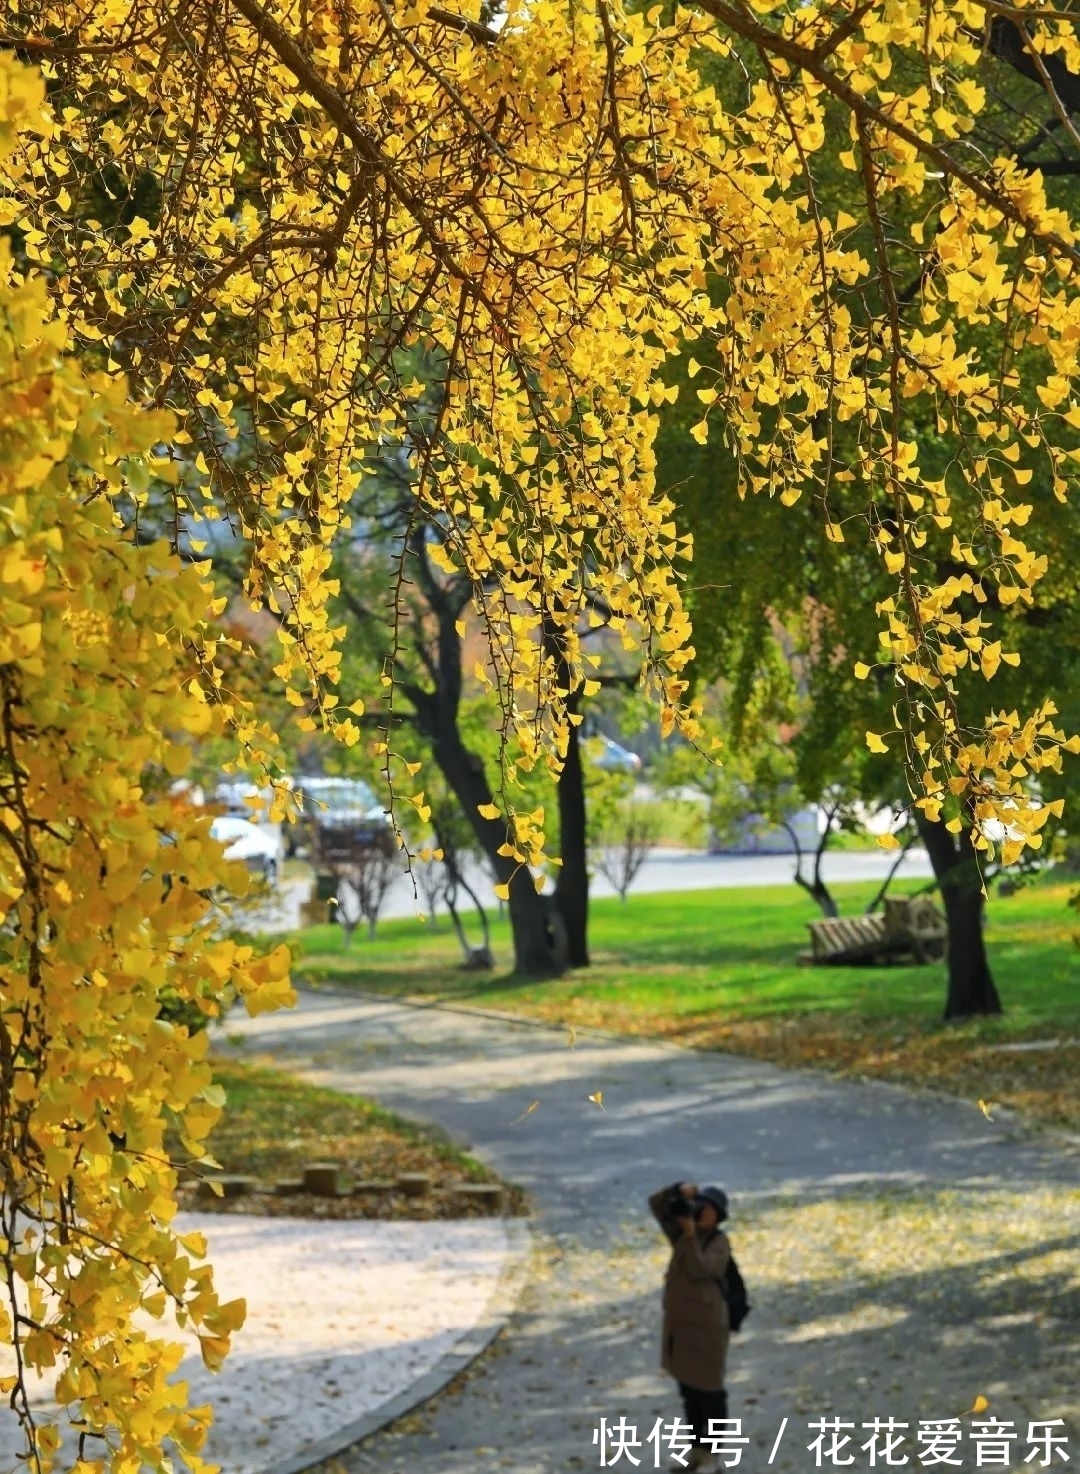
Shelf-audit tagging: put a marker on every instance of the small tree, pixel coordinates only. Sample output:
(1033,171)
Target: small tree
(440,842)
(429,877)
(364,882)
(451,828)
(621,832)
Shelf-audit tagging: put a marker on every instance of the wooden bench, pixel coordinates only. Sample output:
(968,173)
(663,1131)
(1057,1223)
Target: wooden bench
(917,926)
(911,926)
(846,938)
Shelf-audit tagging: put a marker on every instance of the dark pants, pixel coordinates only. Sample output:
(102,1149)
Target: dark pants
(700,1406)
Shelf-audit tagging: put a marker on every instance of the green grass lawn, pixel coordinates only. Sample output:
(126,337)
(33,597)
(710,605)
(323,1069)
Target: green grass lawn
(733,951)
(718,969)
(275,1124)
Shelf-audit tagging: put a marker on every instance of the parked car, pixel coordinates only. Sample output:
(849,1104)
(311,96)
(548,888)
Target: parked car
(244,801)
(259,846)
(338,809)
(612,758)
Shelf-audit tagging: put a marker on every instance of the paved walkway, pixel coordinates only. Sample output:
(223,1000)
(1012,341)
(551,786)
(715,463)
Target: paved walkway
(904,1254)
(345,1319)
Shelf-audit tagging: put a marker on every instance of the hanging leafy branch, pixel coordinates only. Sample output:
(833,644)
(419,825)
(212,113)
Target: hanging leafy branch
(259,216)
(105,902)
(263,213)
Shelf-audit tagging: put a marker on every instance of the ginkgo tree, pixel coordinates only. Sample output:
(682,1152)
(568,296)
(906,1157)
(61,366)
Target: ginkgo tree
(260,210)
(750,568)
(260,214)
(104,905)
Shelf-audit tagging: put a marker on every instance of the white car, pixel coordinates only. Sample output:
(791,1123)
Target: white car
(259,846)
(246,800)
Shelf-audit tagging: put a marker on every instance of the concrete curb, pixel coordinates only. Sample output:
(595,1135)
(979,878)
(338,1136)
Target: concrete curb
(500,1307)
(1021,1125)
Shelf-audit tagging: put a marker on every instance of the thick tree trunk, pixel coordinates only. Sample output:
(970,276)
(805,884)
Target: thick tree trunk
(971,989)
(572,886)
(539,937)
(539,940)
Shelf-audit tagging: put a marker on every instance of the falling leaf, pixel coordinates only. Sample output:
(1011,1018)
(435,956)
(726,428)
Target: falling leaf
(526,1112)
(571,1038)
(598,1099)
(981,1403)
(986,1106)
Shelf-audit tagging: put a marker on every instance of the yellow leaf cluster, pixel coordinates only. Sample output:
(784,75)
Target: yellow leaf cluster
(104,916)
(394,227)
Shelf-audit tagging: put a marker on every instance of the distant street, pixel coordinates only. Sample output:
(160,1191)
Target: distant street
(693,870)
(664,871)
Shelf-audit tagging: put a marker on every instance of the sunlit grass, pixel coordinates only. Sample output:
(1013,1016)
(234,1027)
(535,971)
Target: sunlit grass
(719,969)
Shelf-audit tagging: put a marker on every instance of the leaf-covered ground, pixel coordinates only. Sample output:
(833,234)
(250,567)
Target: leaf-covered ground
(912,1304)
(275,1124)
(717,969)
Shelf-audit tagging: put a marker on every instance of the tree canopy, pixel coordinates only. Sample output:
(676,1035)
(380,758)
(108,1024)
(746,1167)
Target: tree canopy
(263,211)
(295,234)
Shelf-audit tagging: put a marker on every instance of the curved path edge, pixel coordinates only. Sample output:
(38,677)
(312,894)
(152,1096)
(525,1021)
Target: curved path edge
(1017,1119)
(512,1280)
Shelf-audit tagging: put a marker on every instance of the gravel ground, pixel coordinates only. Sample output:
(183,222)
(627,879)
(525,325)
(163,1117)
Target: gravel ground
(341,1317)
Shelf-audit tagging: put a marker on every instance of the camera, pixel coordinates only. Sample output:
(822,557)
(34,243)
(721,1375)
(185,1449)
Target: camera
(680,1206)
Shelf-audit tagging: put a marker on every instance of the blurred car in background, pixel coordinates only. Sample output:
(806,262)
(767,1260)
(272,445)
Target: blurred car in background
(338,813)
(245,801)
(611,758)
(258,845)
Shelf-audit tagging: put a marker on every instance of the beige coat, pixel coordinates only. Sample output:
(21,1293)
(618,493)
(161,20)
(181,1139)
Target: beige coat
(696,1330)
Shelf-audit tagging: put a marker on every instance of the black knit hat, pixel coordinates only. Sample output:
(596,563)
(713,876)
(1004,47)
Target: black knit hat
(718,1198)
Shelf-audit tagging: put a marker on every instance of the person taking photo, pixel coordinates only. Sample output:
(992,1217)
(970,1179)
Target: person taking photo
(696,1327)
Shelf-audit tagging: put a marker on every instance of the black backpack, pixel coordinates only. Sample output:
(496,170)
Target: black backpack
(733,1289)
